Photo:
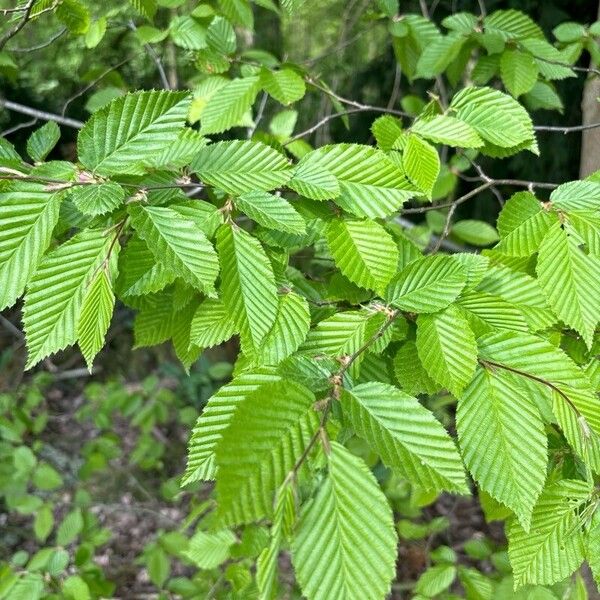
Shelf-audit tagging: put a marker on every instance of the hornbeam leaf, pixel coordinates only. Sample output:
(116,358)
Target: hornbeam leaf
(248,288)
(240,166)
(178,243)
(553,548)
(447,348)
(314,181)
(577,195)
(286,86)
(215,418)
(131,130)
(271,211)
(42,140)
(522,224)
(406,435)
(337,553)
(427,284)
(444,129)
(421,163)
(503,441)
(211,325)
(519,71)
(56,293)
(569,278)
(364,252)
(275,424)
(371,184)
(97,199)
(96,313)
(28,215)
(207,550)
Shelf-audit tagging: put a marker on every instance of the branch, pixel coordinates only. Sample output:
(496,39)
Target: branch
(40,114)
(42,45)
(154,56)
(19,25)
(566,130)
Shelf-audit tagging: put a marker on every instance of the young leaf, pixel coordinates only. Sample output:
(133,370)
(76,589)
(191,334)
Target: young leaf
(42,140)
(56,293)
(569,278)
(428,284)
(275,424)
(97,199)
(177,243)
(248,287)
(421,163)
(131,130)
(241,166)
(503,441)
(364,252)
(553,548)
(447,348)
(519,71)
(406,435)
(28,215)
(207,550)
(337,553)
(286,86)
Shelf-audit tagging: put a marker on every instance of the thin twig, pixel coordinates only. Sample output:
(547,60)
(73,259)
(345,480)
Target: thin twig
(154,56)
(18,26)
(42,45)
(19,126)
(40,114)
(259,115)
(565,130)
(447,224)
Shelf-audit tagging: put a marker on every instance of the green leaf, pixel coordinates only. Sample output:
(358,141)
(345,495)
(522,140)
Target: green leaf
(221,36)
(476,233)
(314,181)
(212,324)
(371,184)
(569,278)
(592,551)
(386,131)
(158,565)
(553,548)
(208,550)
(139,271)
(447,348)
(522,224)
(42,140)
(271,211)
(286,86)
(178,243)
(146,8)
(407,437)
(496,117)
(74,15)
(226,109)
(70,527)
(96,313)
(438,55)
(215,418)
(410,372)
(435,580)
(131,130)
(512,24)
(28,215)
(288,332)
(427,284)
(337,553)
(43,523)
(240,166)
(576,196)
(275,424)
(186,32)
(56,293)
(444,129)
(519,72)
(421,163)
(364,252)
(97,199)
(248,288)
(503,441)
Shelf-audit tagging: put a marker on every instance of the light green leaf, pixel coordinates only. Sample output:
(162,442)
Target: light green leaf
(42,140)
(421,163)
(130,130)
(364,252)
(553,548)
(406,435)
(435,580)
(337,553)
(371,184)
(314,181)
(569,278)
(221,36)
(28,215)
(273,212)
(286,86)
(240,166)
(519,72)
(226,109)
(427,284)
(248,286)
(503,441)
(444,129)
(410,372)
(386,131)
(576,196)
(208,550)
(97,199)
(56,293)
(96,313)
(74,15)
(186,32)
(522,224)
(215,418)
(512,24)
(476,233)
(177,243)
(275,424)
(447,348)
(211,325)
